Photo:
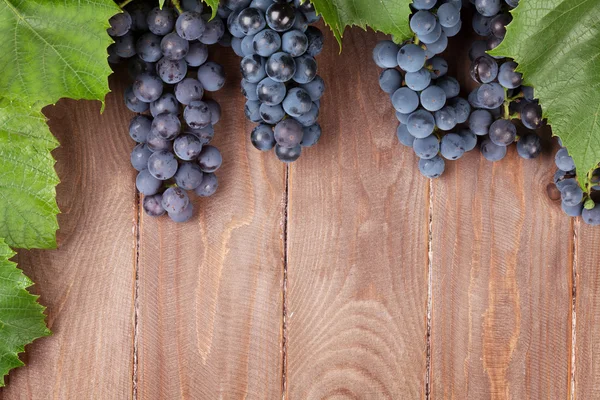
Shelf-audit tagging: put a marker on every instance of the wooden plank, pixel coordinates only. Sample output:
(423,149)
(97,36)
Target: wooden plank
(210,291)
(88,283)
(357,240)
(501,275)
(587,348)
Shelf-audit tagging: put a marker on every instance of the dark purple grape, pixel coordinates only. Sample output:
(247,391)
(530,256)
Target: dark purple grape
(119,24)
(189,176)
(288,133)
(315,41)
(174,47)
(175,200)
(484,69)
(171,71)
(190,25)
(166,126)
(208,186)
(160,22)
(262,137)
(125,45)
(531,115)
(147,87)
(132,102)
(139,128)
(251,20)
(189,90)
(153,205)
(147,47)
(288,155)
(210,159)
(197,114)
(187,147)
(281,67)
(167,103)
(280,17)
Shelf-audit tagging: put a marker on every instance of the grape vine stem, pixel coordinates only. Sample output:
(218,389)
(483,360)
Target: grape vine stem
(123,4)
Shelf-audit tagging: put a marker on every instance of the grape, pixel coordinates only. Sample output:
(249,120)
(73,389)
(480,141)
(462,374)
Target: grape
(236,5)
(527,93)
(251,21)
(563,160)
(192,5)
(233,25)
(572,211)
(452,146)
(301,22)
(288,133)
(153,205)
(137,66)
(491,95)
(236,45)
(253,68)
(404,135)
(562,179)
(147,47)
(492,42)
(531,116)
(529,146)
(480,121)
(405,100)
(294,43)
(591,216)
(498,25)
(448,15)
(175,200)
(188,176)
(423,22)
(502,132)
(252,110)
(491,151)
(410,58)
(306,69)
(189,25)
(315,88)
(315,41)
(197,114)
(270,92)
(281,67)
(309,118)
(419,80)
(286,154)
(438,67)
(113,58)
(280,17)
(197,54)
(469,138)
(187,147)
(210,159)
(146,184)
(188,90)
(481,24)
(488,8)
(262,137)
(424,4)
(572,194)
(138,12)
(184,215)
(266,42)
(403,118)
(385,54)
(426,147)
(249,90)
(304,5)
(297,102)
(310,135)
(512,3)
(439,45)
(214,31)
(450,86)
(156,143)
(215,111)
(432,168)
(205,134)
(508,77)
(139,128)
(139,156)
(462,109)
(484,69)
(174,47)
(433,98)
(160,22)
(312,17)
(473,101)
(162,165)
(166,126)
(445,118)
(208,186)
(125,46)
(212,76)
(171,71)
(478,49)
(390,80)
(167,103)
(248,45)
(132,102)
(420,123)
(147,87)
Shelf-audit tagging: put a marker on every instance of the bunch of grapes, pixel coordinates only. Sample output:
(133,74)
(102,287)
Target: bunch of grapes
(575,201)
(425,98)
(500,99)
(168,61)
(280,80)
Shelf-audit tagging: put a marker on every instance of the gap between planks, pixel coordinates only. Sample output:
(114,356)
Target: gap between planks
(575,226)
(429,291)
(284,284)
(134,374)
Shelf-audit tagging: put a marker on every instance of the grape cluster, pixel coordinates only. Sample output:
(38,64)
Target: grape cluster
(280,80)
(575,201)
(425,98)
(500,99)
(168,61)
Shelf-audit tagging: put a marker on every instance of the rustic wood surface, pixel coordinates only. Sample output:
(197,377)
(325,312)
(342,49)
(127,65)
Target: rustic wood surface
(345,275)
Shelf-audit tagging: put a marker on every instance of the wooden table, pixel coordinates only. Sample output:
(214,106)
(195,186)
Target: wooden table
(345,275)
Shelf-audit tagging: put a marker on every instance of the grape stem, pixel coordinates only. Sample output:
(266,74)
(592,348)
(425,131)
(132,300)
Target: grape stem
(123,4)
(177,6)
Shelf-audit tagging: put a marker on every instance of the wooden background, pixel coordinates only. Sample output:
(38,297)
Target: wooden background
(344,275)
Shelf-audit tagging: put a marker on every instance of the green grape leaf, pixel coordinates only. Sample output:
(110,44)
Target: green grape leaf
(27,178)
(53,49)
(387,16)
(214,5)
(555,43)
(21,316)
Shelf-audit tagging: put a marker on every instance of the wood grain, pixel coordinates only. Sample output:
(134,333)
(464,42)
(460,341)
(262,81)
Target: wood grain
(587,355)
(210,291)
(88,282)
(357,245)
(501,295)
